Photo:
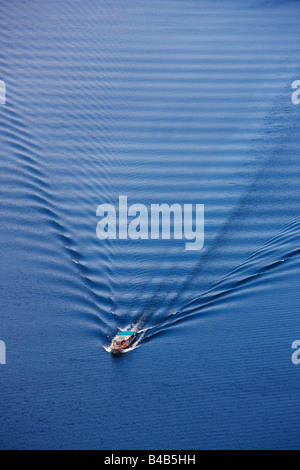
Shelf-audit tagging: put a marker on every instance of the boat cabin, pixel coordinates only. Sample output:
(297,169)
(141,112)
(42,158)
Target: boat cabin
(123,340)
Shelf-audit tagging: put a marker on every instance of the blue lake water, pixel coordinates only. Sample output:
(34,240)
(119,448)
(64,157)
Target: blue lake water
(165,101)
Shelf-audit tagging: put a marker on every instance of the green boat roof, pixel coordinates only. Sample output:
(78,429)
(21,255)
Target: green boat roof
(124,335)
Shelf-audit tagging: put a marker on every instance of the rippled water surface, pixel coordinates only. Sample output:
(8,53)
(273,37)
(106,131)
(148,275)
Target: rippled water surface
(165,101)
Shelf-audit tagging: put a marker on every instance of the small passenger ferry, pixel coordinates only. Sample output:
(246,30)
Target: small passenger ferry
(123,340)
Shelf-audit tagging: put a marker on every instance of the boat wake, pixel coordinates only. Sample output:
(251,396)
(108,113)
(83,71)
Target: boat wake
(273,254)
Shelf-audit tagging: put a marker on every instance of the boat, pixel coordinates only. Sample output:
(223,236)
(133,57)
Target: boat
(123,340)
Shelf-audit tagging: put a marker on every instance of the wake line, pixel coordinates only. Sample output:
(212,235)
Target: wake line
(38,194)
(241,276)
(261,189)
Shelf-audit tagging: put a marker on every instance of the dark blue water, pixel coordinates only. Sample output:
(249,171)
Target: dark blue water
(164,101)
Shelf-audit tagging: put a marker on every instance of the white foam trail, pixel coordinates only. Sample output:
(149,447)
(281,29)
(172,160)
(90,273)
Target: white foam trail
(145,329)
